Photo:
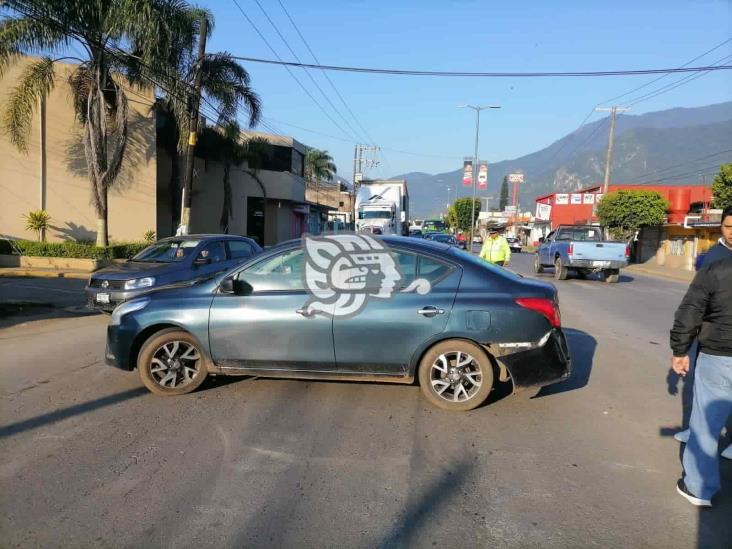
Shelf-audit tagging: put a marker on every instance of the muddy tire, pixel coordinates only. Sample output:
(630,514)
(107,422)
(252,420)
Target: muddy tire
(171,363)
(456,375)
(612,275)
(538,267)
(560,271)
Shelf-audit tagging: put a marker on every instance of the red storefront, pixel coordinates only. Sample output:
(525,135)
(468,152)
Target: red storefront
(577,208)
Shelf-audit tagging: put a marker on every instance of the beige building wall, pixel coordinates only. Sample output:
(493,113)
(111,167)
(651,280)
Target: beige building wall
(54,176)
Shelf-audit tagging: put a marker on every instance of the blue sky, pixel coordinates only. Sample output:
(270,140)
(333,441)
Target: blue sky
(420,115)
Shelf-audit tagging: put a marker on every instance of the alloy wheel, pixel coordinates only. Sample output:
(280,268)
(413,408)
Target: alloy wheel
(174,364)
(455,376)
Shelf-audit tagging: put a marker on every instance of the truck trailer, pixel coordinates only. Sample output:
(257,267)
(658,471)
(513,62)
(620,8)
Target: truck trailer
(382,207)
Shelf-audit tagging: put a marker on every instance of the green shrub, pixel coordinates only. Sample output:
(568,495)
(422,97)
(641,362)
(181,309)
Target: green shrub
(120,250)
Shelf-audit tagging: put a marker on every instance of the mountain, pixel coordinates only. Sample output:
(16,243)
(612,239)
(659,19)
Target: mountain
(673,146)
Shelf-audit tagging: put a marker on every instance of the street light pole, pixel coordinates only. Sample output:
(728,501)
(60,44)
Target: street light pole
(477,109)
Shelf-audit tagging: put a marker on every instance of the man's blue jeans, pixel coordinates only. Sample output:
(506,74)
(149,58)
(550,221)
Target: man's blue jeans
(710,410)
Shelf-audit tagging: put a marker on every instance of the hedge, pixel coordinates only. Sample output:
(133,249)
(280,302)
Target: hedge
(72,249)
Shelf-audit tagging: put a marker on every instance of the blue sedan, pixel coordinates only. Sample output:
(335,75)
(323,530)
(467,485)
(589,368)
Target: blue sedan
(169,260)
(409,310)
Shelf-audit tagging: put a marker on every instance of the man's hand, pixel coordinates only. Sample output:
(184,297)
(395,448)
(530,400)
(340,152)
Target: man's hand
(680,364)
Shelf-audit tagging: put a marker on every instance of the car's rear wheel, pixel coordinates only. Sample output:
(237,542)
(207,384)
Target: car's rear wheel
(538,267)
(560,271)
(171,363)
(456,375)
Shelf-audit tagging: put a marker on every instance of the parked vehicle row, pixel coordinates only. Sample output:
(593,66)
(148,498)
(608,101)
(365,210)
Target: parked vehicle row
(477,324)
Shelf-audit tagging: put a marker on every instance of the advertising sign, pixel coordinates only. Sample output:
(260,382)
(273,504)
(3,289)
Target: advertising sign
(543,212)
(598,196)
(588,198)
(576,198)
(515,178)
(561,199)
(483,175)
(468,173)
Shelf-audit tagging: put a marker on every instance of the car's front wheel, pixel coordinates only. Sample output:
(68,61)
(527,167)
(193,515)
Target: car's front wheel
(456,375)
(171,363)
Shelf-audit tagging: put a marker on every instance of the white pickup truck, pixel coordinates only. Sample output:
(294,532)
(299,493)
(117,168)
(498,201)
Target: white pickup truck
(580,248)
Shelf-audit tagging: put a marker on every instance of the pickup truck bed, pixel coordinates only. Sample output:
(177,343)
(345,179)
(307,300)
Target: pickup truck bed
(580,248)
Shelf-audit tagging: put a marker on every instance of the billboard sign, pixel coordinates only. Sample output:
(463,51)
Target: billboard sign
(515,178)
(543,211)
(468,173)
(561,199)
(576,198)
(483,175)
(588,198)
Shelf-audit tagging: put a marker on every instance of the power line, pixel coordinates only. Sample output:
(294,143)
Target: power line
(307,72)
(705,157)
(672,85)
(325,74)
(297,80)
(667,74)
(411,72)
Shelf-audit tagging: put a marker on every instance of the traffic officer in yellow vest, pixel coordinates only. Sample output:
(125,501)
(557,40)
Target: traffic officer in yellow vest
(496,249)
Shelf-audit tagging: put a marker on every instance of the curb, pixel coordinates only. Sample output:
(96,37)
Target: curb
(43,274)
(650,272)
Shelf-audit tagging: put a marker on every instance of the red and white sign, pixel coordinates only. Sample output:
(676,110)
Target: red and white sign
(515,178)
(483,175)
(543,211)
(598,196)
(576,198)
(468,173)
(561,199)
(588,198)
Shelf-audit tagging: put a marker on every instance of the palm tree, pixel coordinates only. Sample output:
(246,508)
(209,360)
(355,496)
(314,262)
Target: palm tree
(319,167)
(226,86)
(117,38)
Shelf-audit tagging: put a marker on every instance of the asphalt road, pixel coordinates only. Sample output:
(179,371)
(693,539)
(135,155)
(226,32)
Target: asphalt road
(92,459)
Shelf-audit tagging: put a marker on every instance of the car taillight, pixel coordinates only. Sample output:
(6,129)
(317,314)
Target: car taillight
(544,306)
(570,250)
(627,251)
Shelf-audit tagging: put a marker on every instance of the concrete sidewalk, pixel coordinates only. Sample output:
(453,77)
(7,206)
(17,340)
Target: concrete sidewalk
(652,269)
(43,273)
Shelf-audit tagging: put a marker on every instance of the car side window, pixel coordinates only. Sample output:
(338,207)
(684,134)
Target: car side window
(407,263)
(432,269)
(281,272)
(238,249)
(215,251)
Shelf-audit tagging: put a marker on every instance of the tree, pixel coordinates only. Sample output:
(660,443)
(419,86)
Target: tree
(226,86)
(117,38)
(625,212)
(722,187)
(38,222)
(463,209)
(503,202)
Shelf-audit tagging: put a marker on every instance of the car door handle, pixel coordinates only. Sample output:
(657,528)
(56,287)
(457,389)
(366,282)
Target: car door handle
(430,311)
(304,312)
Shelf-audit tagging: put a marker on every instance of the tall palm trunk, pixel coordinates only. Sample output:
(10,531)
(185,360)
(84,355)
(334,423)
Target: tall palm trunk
(226,206)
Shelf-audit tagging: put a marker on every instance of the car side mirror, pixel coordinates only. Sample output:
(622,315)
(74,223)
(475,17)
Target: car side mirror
(231,285)
(541,240)
(202,261)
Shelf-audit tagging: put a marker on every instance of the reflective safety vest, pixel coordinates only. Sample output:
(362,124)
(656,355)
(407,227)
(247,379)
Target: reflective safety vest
(495,250)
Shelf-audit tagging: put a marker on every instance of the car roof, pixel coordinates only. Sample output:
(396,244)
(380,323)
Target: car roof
(207,237)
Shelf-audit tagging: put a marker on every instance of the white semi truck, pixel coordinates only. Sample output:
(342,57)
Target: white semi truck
(382,207)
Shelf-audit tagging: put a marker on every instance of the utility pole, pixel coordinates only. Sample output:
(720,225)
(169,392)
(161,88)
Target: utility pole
(195,102)
(608,161)
(477,109)
(358,165)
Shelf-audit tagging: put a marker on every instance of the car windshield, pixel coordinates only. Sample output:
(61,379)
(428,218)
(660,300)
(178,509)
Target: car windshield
(374,214)
(580,233)
(167,251)
(446,238)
